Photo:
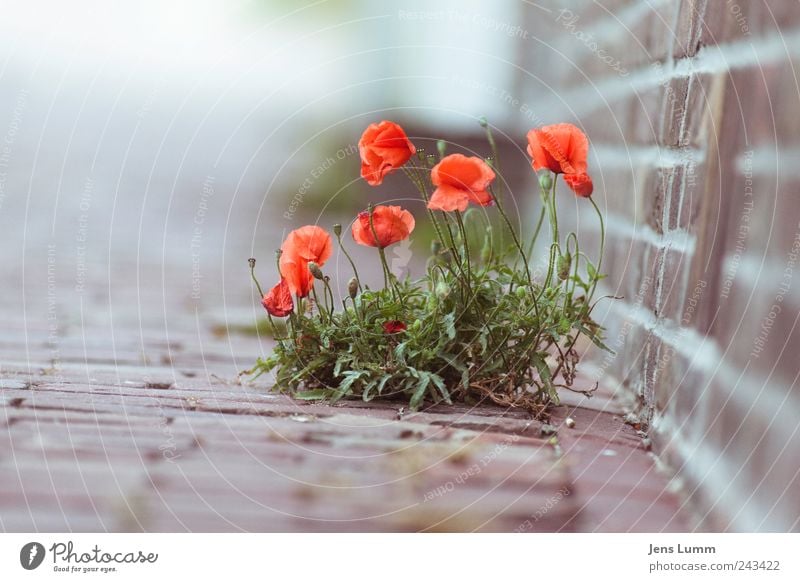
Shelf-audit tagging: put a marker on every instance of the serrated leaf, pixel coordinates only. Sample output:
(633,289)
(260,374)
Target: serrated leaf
(419,392)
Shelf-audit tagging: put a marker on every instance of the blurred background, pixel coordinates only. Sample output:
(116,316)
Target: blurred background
(148,149)
(179,139)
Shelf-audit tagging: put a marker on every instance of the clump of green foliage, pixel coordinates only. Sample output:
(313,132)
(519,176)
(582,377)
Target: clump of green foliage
(476,327)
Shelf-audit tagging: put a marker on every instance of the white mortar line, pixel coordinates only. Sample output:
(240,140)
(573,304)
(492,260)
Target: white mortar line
(677,239)
(696,457)
(704,354)
(618,156)
(739,54)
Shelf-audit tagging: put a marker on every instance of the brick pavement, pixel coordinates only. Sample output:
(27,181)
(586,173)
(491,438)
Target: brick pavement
(137,431)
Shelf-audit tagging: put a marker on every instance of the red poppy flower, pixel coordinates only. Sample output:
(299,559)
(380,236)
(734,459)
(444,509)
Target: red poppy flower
(561,148)
(306,244)
(581,184)
(394,326)
(278,302)
(459,181)
(384,147)
(392,224)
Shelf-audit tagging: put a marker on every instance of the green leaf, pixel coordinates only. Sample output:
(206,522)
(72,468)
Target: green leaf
(317,394)
(450,325)
(346,387)
(439,383)
(419,392)
(542,368)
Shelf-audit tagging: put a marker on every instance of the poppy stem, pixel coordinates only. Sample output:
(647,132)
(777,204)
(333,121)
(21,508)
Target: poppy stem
(602,249)
(386,282)
(329,295)
(548,200)
(495,151)
(349,258)
(539,223)
(419,184)
(316,300)
(522,254)
(515,238)
(554,214)
(571,290)
(253,275)
(465,243)
(387,274)
(293,321)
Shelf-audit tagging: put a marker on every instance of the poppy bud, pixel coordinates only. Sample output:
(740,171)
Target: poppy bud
(315,270)
(352,287)
(436,247)
(564,262)
(483,121)
(417,325)
(546,181)
(520,291)
(252,263)
(441,145)
(442,289)
(337,229)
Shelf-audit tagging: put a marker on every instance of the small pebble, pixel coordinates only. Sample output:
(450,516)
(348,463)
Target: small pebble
(570,422)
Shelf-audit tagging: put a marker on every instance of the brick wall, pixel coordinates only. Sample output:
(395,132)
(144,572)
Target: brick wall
(692,109)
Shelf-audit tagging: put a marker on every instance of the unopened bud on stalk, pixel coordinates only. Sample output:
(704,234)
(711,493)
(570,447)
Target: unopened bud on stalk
(441,145)
(431,160)
(352,287)
(421,153)
(252,263)
(520,291)
(483,121)
(546,181)
(315,270)
(337,229)
(417,325)
(436,247)
(564,262)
